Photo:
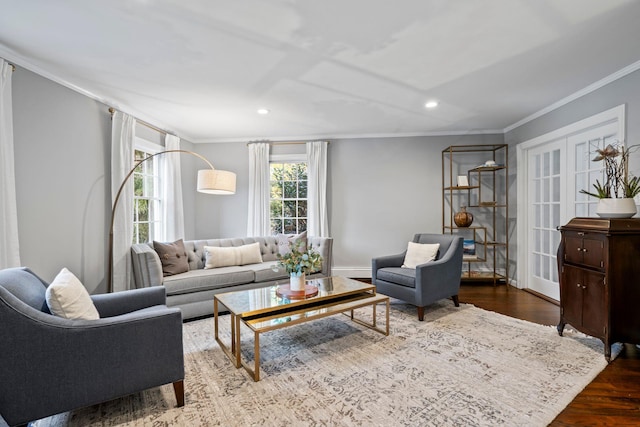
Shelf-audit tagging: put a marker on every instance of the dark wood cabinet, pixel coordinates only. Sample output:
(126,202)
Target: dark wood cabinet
(599,266)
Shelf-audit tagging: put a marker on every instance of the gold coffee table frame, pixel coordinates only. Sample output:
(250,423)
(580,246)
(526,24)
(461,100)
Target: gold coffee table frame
(261,310)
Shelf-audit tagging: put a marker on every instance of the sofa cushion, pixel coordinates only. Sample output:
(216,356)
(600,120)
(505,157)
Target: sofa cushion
(173,257)
(202,280)
(265,272)
(420,253)
(68,298)
(217,257)
(398,275)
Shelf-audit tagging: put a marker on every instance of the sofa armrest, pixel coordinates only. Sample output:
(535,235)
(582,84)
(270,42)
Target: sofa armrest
(117,303)
(324,246)
(147,268)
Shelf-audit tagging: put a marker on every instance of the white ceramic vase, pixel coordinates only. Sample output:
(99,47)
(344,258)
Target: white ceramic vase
(616,208)
(296,283)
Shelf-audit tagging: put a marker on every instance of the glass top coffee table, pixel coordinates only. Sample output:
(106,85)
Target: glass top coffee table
(263,310)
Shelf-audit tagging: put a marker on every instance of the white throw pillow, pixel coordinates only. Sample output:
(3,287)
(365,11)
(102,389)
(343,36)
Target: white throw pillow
(68,298)
(420,253)
(235,255)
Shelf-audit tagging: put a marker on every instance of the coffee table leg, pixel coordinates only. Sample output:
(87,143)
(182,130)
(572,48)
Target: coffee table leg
(215,318)
(256,356)
(237,340)
(374,315)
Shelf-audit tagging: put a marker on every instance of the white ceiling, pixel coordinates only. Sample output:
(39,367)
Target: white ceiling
(325,69)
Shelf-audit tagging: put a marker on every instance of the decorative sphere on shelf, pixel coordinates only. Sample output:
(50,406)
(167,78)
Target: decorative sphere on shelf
(463,218)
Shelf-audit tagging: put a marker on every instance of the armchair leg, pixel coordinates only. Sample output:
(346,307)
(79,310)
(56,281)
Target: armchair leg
(456,301)
(178,388)
(421,313)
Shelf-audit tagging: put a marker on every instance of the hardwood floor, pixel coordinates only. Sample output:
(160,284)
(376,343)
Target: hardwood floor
(612,398)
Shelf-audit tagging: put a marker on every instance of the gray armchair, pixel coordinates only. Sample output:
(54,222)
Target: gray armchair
(50,364)
(427,283)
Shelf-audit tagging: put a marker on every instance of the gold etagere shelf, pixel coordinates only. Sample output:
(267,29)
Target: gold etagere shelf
(488,235)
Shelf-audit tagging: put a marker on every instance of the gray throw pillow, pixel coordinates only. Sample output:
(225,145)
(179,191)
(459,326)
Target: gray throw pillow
(173,257)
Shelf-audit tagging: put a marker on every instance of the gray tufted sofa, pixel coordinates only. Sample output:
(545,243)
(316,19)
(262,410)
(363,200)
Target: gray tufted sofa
(193,291)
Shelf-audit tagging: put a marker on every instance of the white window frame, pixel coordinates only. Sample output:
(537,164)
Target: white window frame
(155,220)
(288,158)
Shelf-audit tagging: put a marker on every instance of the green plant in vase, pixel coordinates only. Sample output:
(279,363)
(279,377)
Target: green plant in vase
(299,262)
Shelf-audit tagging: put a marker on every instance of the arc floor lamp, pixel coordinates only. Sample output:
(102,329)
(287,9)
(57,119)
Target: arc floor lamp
(210,181)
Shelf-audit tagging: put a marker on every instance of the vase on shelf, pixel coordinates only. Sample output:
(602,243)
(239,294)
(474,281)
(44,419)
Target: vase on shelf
(463,218)
(616,208)
(297,281)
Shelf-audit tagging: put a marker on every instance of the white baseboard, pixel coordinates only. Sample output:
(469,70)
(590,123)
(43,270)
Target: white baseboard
(354,272)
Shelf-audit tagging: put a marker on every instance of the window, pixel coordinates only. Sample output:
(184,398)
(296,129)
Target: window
(288,200)
(146,196)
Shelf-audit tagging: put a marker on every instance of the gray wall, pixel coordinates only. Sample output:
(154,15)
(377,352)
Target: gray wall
(380,193)
(62,142)
(62,160)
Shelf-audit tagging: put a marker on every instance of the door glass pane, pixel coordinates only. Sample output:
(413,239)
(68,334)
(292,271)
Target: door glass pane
(556,162)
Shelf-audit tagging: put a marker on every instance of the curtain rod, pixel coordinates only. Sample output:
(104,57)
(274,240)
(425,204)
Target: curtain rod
(149,125)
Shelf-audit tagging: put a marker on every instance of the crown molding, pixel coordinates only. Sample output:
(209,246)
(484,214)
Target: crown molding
(349,136)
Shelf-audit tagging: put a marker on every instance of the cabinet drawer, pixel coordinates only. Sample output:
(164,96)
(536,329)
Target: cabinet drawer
(586,249)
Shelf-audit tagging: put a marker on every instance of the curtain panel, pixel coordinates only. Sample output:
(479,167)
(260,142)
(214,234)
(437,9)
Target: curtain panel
(171,189)
(9,244)
(317,217)
(258,219)
(122,134)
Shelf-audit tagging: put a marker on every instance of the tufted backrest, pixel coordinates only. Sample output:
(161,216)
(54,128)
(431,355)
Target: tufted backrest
(23,284)
(197,257)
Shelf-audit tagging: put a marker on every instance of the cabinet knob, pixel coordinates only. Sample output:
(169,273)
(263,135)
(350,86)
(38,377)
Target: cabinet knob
(584,287)
(579,249)
(578,285)
(584,250)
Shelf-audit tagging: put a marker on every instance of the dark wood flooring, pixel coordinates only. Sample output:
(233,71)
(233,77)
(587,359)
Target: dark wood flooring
(612,398)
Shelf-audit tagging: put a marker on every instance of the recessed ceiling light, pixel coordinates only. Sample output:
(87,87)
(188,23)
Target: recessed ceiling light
(263,111)
(431,104)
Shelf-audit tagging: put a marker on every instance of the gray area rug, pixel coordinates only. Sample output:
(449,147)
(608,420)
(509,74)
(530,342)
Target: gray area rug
(460,367)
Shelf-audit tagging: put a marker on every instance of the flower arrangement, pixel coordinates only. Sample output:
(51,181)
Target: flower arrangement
(617,183)
(297,262)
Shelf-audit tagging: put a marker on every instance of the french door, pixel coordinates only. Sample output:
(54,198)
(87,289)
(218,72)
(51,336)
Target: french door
(555,168)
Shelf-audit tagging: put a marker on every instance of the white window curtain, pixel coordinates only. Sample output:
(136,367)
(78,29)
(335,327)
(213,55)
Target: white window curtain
(171,192)
(122,134)
(317,217)
(258,218)
(9,245)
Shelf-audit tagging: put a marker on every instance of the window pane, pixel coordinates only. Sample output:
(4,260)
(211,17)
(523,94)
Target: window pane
(302,171)
(143,233)
(302,189)
(556,162)
(290,189)
(290,172)
(302,208)
(302,225)
(276,208)
(290,226)
(148,186)
(137,185)
(276,189)
(276,225)
(289,208)
(143,210)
